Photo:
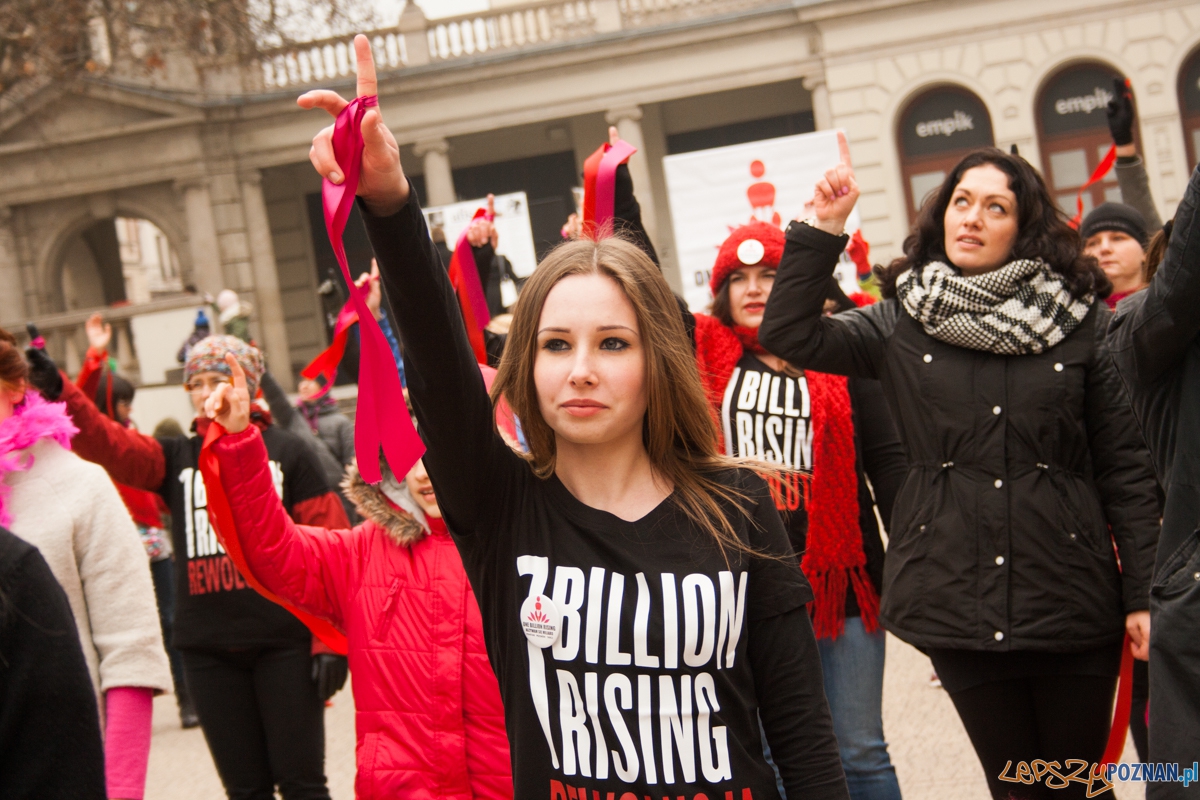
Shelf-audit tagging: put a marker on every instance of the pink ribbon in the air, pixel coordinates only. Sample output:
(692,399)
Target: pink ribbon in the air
(382,420)
(599,186)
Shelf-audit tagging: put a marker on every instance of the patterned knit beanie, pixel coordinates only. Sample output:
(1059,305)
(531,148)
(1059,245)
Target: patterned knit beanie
(754,245)
(208,355)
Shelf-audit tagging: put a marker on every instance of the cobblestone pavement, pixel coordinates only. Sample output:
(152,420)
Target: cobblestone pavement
(933,757)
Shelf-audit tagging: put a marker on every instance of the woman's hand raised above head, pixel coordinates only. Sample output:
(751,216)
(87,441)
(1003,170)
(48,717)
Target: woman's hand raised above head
(382,184)
(835,194)
(230,403)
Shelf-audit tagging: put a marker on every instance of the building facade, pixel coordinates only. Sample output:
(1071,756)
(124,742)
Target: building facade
(216,155)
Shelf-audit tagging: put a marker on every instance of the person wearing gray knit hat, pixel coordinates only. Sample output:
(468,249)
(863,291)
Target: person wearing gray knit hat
(1115,235)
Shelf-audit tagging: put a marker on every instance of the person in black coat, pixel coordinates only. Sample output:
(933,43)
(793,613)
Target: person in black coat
(1025,462)
(50,746)
(1155,341)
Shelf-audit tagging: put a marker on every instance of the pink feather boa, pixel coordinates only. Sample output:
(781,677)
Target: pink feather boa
(33,419)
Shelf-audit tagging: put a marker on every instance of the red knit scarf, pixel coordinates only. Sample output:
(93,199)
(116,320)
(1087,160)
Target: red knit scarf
(834,560)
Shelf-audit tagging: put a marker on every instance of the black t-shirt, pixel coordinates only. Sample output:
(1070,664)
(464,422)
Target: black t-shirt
(767,414)
(214,606)
(651,672)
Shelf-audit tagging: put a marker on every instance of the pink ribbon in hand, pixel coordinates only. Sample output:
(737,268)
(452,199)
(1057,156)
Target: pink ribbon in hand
(378,381)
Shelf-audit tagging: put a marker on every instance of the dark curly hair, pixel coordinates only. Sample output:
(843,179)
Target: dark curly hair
(1042,228)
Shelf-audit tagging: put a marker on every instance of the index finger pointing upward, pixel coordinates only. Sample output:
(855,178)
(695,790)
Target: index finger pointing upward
(239,374)
(843,149)
(367,85)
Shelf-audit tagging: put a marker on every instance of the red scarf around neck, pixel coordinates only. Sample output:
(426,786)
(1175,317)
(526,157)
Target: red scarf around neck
(834,560)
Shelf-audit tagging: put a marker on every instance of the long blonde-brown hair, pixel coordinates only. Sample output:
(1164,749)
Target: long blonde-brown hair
(679,431)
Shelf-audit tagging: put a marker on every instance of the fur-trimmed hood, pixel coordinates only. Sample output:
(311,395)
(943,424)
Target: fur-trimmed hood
(405,525)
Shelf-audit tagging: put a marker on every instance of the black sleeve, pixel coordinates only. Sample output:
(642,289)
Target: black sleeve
(776,582)
(794,326)
(627,214)
(1122,469)
(484,255)
(303,478)
(882,453)
(467,460)
(49,726)
(792,706)
(277,400)
(1152,338)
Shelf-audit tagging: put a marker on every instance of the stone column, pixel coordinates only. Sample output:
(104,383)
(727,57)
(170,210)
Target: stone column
(439,181)
(629,125)
(202,236)
(412,25)
(126,358)
(822,114)
(269,303)
(12,293)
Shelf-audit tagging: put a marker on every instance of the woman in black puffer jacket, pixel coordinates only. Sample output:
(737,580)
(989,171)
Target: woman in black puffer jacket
(1025,462)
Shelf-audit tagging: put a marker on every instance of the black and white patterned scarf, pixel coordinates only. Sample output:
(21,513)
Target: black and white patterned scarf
(1021,308)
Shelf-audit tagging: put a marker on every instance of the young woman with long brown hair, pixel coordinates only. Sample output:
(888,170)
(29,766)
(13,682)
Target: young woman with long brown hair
(640,599)
(1025,462)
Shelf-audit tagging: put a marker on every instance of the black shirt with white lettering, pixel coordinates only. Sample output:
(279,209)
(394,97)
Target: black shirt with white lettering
(214,607)
(767,414)
(660,649)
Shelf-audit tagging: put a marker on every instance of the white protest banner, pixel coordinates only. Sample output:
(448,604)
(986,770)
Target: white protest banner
(714,191)
(512,226)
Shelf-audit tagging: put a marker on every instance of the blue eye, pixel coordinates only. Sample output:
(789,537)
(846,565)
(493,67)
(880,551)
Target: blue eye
(613,343)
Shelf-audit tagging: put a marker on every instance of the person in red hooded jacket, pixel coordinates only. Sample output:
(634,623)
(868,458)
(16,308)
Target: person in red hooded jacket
(430,722)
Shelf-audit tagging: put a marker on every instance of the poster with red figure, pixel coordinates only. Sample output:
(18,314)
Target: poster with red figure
(711,192)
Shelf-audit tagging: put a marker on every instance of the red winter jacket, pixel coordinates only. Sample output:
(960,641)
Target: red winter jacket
(429,718)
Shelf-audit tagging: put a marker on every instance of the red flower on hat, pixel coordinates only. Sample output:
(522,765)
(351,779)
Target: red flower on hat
(730,256)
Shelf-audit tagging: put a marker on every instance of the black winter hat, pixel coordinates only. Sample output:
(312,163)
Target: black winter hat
(1115,217)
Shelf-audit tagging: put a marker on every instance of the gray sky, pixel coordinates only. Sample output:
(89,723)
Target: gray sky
(389,10)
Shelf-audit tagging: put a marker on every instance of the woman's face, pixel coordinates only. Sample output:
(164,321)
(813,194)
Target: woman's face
(981,221)
(1120,256)
(749,288)
(10,397)
(421,489)
(590,368)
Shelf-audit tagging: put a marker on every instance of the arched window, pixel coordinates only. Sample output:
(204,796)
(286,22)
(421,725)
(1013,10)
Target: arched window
(1189,106)
(1073,133)
(937,129)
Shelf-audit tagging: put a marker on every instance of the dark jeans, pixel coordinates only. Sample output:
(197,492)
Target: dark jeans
(263,721)
(163,574)
(1051,717)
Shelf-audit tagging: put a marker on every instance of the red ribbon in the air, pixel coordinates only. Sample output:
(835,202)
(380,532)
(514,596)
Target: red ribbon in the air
(377,422)
(464,277)
(599,186)
(1105,165)
(221,516)
(327,361)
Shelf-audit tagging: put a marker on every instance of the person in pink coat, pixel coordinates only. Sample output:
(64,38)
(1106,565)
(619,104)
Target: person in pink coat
(429,719)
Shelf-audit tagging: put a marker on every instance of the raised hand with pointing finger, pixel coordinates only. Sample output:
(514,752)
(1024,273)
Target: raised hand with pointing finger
(230,403)
(836,193)
(382,184)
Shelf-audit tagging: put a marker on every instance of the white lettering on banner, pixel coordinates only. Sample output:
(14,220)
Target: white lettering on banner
(682,706)
(1085,104)
(946,127)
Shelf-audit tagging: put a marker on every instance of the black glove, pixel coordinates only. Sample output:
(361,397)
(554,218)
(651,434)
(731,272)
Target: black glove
(43,373)
(1120,113)
(329,673)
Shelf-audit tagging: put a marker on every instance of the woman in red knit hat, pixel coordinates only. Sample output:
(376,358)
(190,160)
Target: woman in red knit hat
(832,434)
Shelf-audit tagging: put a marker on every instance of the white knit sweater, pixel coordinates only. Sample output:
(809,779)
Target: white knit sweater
(70,510)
